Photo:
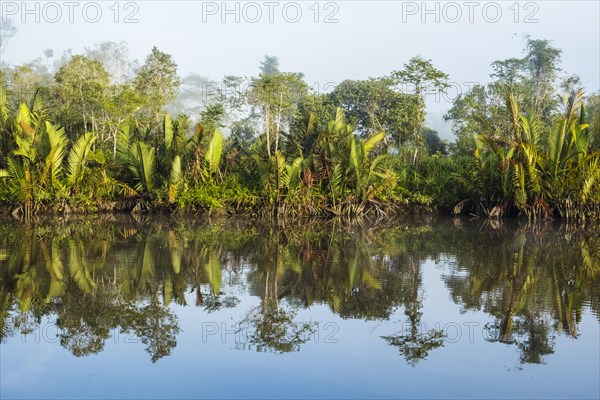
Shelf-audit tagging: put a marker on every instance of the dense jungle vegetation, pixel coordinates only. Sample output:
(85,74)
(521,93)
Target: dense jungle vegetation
(99,132)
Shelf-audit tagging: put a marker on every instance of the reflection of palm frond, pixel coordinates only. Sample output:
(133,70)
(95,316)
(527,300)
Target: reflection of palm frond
(79,272)
(213,272)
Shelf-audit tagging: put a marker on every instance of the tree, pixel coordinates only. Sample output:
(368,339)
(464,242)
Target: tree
(373,106)
(278,96)
(421,75)
(211,117)
(48,54)
(156,83)
(7,31)
(269,65)
(433,142)
(593,118)
(478,110)
(81,89)
(5,122)
(192,95)
(531,80)
(24,84)
(115,59)
(121,102)
(542,62)
(312,116)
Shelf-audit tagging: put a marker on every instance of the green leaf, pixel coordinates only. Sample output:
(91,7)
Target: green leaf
(294,171)
(142,165)
(123,144)
(354,155)
(78,158)
(168,128)
(58,141)
(175,179)
(372,142)
(213,153)
(56,136)
(23,120)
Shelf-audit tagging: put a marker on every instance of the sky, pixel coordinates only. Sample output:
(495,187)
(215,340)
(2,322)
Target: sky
(328,41)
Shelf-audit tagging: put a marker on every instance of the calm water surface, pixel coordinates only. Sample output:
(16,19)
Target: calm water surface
(159,308)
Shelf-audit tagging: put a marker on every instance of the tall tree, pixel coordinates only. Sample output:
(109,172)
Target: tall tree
(421,75)
(479,110)
(156,83)
(81,88)
(542,63)
(593,118)
(434,143)
(530,80)
(278,96)
(7,31)
(195,91)
(372,105)
(115,59)
(269,65)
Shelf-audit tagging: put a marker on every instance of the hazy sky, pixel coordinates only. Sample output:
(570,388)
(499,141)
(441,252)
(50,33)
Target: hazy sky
(327,41)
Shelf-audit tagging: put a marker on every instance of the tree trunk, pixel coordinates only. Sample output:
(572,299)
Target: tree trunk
(267,123)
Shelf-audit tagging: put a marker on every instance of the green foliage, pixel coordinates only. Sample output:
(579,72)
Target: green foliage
(539,178)
(81,92)
(168,129)
(78,158)
(104,142)
(142,165)
(214,151)
(157,83)
(175,180)
(374,105)
(530,80)
(57,141)
(277,95)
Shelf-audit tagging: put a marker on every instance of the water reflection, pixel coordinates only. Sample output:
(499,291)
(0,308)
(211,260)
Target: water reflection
(95,277)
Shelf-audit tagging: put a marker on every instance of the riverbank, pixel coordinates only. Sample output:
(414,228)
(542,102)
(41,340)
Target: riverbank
(372,212)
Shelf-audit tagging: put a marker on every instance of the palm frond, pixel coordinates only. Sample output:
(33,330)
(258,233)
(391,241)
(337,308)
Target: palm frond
(293,172)
(175,179)
(78,157)
(53,167)
(142,165)
(168,130)
(370,143)
(214,150)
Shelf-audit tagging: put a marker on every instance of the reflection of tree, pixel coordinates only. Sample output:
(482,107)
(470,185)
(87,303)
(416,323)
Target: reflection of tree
(86,321)
(4,312)
(155,325)
(414,343)
(64,273)
(269,325)
(533,283)
(344,270)
(98,277)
